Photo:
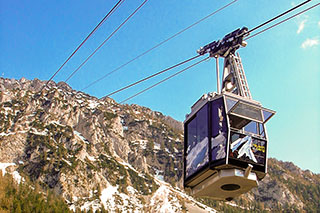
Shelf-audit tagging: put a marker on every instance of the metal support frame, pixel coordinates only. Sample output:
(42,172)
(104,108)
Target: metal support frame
(218,74)
(226,49)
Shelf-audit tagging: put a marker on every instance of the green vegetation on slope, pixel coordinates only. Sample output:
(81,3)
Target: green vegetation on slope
(22,198)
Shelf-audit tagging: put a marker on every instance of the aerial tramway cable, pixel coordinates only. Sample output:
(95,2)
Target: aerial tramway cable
(278,23)
(127,19)
(171,76)
(278,16)
(114,8)
(153,75)
(159,44)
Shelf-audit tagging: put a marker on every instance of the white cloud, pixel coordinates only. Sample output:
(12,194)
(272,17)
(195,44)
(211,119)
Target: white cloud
(301,26)
(310,42)
(319,23)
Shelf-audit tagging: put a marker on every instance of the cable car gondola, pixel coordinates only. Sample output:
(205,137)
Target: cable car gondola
(225,138)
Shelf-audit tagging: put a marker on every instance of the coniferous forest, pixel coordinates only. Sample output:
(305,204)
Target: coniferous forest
(25,198)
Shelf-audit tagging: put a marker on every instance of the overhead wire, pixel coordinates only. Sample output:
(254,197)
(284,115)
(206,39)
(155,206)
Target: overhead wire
(278,16)
(280,22)
(276,24)
(171,76)
(126,20)
(114,8)
(153,75)
(159,44)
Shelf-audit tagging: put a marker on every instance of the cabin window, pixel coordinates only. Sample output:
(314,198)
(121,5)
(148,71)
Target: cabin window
(230,103)
(219,130)
(247,148)
(252,127)
(267,115)
(247,111)
(197,142)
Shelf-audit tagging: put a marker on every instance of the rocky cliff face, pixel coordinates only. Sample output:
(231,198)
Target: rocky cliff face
(99,154)
(95,153)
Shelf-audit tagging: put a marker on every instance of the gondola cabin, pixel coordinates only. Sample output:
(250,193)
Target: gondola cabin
(225,137)
(225,145)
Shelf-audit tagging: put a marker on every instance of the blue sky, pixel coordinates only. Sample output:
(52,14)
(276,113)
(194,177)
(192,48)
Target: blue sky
(282,65)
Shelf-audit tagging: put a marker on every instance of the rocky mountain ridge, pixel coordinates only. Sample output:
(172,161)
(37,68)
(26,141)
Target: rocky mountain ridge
(98,154)
(95,153)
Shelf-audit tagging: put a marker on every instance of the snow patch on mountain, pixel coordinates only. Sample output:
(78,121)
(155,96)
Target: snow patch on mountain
(78,134)
(164,201)
(16,176)
(3,167)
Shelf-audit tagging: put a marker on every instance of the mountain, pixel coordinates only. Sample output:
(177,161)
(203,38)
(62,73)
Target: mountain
(97,154)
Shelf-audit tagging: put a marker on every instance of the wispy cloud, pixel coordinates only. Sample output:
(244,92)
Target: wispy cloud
(319,23)
(301,26)
(310,42)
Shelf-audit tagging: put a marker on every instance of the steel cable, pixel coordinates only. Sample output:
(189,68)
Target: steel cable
(114,8)
(280,22)
(85,61)
(171,76)
(278,16)
(158,45)
(153,75)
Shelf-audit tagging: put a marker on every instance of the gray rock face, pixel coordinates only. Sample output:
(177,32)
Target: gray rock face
(82,147)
